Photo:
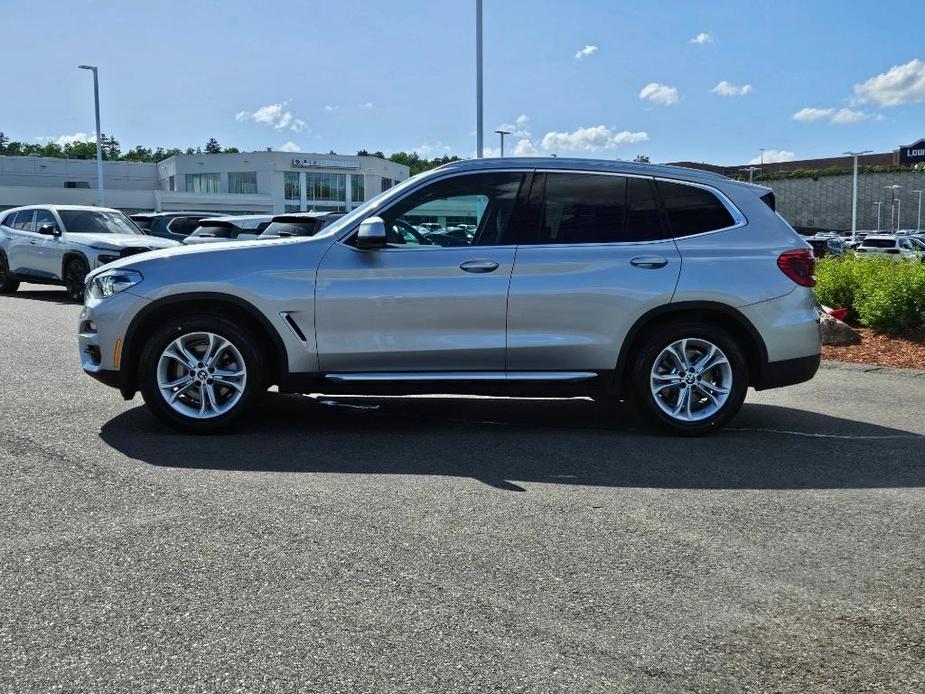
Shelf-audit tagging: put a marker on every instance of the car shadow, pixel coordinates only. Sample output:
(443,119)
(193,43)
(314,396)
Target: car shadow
(54,296)
(502,442)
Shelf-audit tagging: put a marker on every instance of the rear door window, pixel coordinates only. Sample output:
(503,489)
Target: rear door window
(183,226)
(43,217)
(24,220)
(692,210)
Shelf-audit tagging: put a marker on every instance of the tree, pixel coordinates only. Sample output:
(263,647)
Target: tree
(231,150)
(4,141)
(212,146)
(110,148)
(641,159)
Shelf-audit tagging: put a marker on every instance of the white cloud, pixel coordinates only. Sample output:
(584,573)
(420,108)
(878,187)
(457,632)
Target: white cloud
(525,148)
(519,128)
(901,84)
(585,52)
(774,156)
(62,140)
(809,114)
(429,150)
(330,108)
(368,104)
(289,146)
(845,116)
(702,38)
(273,115)
(590,139)
(660,94)
(725,88)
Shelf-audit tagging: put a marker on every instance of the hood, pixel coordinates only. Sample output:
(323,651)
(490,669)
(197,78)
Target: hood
(120,241)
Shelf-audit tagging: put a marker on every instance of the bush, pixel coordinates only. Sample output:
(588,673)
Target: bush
(882,294)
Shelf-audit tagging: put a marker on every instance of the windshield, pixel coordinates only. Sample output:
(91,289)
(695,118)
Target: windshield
(98,222)
(306,228)
(370,206)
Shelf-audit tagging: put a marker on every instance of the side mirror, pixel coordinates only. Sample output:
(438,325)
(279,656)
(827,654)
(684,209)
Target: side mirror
(49,230)
(371,234)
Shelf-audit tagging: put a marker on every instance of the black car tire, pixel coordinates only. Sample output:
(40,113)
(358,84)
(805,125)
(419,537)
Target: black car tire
(242,340)
(653,345)
(75,275)
(7,284)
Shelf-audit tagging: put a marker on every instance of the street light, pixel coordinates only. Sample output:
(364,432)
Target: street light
(751,172)
(99,146)
(478,77)
(918,221)
(879,205)
(893,188)
(762,155)
(854,195)
(502,133)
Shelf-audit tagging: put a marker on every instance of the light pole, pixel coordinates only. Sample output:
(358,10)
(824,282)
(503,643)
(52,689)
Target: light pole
(918,221)
(751,172)
(478,77)
(854,196)
(879,205)
(502,133)
(762,156)
(893,188)
(99,144)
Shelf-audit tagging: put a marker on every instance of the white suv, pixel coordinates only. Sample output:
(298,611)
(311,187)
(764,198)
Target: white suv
(60,244)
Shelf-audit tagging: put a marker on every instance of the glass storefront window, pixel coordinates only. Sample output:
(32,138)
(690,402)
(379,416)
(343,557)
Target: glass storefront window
(203,183)
(326,186)
(357,188)
(291,185)
(244,182)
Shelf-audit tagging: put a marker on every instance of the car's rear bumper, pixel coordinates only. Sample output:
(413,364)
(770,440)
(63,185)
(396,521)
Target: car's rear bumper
(776,374)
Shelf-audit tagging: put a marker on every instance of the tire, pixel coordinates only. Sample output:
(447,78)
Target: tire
(75,274)
(163,374)
(666,384)
(7,284)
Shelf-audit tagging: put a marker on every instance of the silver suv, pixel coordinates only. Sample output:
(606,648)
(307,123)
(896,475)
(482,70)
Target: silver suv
(675,288)
(60,244)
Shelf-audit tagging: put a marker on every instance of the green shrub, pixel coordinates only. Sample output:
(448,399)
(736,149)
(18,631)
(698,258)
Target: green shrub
(880,293)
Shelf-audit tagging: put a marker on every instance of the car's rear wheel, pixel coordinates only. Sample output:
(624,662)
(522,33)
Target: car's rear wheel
(200,373)
(75,274)
(691,378)
(7,284)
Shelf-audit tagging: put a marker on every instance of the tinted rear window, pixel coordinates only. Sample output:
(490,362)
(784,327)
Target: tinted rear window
(144,223)
(219,232)
(693,210)
(307,228)
(879,243)
(183,226)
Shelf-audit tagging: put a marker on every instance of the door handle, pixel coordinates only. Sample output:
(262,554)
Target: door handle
(479,265)
(650,262)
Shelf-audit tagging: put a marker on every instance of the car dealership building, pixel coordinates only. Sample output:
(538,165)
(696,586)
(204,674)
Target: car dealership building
(234,183)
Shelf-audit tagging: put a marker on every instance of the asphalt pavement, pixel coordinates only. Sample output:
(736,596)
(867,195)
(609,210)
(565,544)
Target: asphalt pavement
(448,544)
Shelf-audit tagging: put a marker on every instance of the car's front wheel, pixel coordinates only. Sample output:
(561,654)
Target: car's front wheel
(75,274)
(200,373)
(691,378)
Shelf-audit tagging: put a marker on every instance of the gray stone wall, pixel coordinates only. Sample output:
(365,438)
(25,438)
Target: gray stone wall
(825,203)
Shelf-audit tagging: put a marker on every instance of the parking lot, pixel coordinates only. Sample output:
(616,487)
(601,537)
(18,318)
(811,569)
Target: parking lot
(441,544)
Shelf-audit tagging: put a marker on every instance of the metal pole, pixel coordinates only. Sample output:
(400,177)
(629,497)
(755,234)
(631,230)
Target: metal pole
(854,195)
(899,213)
(879,207)
(478,77)
(502,133)
(918,221)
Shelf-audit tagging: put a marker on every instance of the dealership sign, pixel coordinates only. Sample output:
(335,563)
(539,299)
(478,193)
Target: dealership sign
(326,163)
(912,154)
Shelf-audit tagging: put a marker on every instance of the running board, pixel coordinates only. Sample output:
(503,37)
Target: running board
(482,376)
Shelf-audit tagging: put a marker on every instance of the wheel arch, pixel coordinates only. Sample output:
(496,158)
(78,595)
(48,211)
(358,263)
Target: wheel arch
(72,254)
(146,321)
(721,315)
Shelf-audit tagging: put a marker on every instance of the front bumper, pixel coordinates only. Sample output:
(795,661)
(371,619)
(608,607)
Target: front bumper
(100,335)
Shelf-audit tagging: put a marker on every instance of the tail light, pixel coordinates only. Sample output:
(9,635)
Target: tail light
(798,265)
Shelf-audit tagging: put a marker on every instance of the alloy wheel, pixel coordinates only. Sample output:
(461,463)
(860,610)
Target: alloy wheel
(691,379)
(201,375)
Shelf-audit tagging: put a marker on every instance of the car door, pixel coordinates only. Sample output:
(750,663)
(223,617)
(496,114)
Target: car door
(415,305)
(47,251)
(593,255)
(21,243)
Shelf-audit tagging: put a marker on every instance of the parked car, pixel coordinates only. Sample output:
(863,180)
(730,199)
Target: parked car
(217,229)
(298,224)
(826,245)
(170,225)
(891,245)
(60,244)
(671,287)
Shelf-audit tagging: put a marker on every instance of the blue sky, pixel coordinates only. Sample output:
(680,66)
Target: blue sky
(602,78)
